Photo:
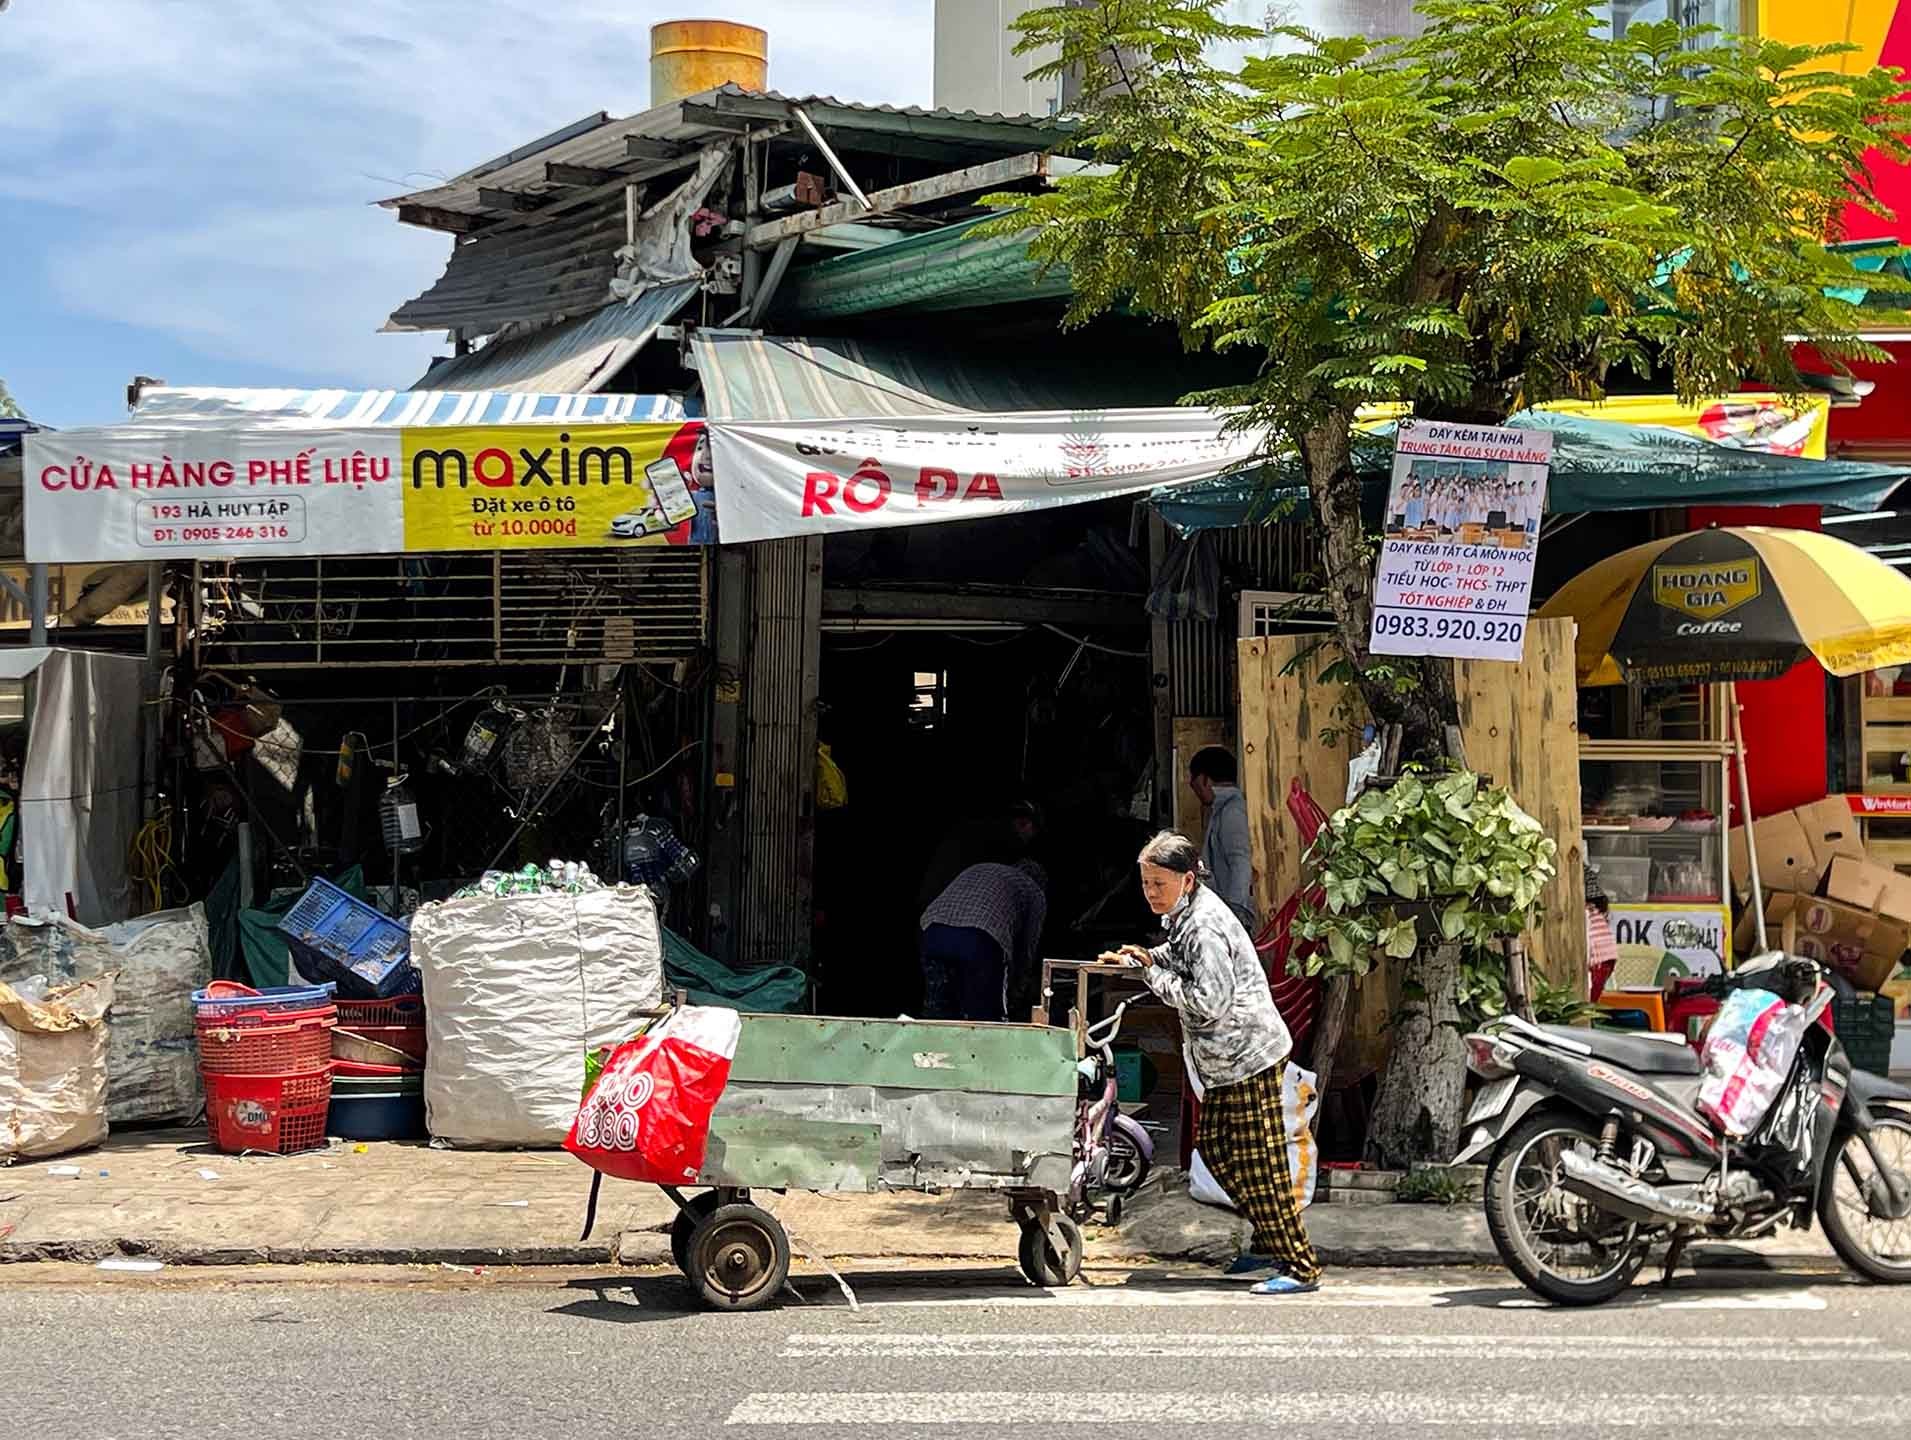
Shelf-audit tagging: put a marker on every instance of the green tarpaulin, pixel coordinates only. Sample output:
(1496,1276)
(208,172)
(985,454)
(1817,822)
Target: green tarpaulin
(778,988)
(1597,465)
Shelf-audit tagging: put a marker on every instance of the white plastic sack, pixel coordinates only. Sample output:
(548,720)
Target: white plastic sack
(1748,1052)
(53,1070)
(517,989)
(160,959)
(1300,1098)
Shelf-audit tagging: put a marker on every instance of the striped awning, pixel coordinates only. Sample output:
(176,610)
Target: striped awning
(576,356)
(186,408)
(750,376)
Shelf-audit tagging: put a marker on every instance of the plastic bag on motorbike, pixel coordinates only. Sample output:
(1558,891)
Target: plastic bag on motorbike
(1748,1053)
(1300,1098)
(647,1117)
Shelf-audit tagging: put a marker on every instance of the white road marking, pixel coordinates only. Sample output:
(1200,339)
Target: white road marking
(1760,1300)
(1355,1297)
(824,1345)
(1285,1411)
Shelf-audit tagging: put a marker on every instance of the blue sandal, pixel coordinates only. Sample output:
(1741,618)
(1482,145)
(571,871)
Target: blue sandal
(1248,1263)
(1285,1285)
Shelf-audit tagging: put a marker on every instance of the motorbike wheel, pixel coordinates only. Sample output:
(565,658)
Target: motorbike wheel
(1538,1227)
(1127,1166)
(1877,1247)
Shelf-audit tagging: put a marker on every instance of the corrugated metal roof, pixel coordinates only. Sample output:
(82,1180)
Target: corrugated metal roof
(601,146)
(750,376)
(948,269)
(179,407)
(560,269)
(575,357)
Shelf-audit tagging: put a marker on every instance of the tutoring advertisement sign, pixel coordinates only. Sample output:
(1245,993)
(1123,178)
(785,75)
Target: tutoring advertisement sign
(138,493)
(809,477)
(1460,537)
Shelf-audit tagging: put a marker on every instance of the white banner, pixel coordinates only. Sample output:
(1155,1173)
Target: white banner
(145,492)
(811,477)
(1461,534)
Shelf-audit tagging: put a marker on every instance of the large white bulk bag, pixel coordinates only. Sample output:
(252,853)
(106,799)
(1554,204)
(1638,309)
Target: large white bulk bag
(53,1070)
(152,1058)
(517,989)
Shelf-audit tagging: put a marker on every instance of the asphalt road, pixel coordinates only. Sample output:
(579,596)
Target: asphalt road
(438,1354)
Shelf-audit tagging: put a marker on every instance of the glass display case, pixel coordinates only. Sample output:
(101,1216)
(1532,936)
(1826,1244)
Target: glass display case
(1654,780)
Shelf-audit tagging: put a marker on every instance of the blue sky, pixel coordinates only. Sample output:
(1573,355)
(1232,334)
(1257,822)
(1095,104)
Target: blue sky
(186,185)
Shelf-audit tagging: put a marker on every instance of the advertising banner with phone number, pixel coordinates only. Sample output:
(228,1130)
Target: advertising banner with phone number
(140,493)
(1459,541)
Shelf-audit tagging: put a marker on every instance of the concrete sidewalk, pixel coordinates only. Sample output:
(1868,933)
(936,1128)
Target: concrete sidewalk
(1162,1223)
(168,1195)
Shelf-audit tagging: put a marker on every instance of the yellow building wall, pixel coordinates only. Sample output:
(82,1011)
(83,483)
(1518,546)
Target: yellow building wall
(1813,22)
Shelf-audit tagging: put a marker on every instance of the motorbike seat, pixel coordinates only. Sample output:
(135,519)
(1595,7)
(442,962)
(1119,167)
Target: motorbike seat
(1866,1087)
(1639,1053)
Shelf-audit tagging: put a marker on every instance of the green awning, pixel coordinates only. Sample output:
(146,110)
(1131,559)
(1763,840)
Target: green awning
(948,269)
(1597,465)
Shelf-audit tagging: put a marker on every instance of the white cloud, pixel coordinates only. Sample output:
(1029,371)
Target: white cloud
(214,160)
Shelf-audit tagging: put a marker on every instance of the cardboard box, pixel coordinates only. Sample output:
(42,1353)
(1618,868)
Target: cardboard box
(1861,945)
(1796,848)
(1785,863)
(1867,886)
(1832,830)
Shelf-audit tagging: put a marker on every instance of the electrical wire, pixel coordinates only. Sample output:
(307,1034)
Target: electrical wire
(1092,645)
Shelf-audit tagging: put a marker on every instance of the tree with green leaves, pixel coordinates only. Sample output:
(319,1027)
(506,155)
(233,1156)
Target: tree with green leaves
(9,407)
(1511,208)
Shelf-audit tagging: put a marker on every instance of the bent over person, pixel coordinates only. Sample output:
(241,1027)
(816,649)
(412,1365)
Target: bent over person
(1238,1045)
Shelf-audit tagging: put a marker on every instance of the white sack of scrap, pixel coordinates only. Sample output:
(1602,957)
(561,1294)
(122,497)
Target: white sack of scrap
(517,989)
(159,959)
(53,1069)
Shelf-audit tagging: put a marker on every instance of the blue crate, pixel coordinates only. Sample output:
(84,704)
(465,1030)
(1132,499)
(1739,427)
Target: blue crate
(272,999)
(335,937)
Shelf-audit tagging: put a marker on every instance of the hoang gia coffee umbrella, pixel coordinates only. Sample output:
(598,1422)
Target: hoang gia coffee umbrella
(1713,607)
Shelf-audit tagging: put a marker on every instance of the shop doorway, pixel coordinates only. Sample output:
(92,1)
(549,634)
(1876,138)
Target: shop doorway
(943,732)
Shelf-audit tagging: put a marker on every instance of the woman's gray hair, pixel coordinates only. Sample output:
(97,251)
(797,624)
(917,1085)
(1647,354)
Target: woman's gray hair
(1171,850)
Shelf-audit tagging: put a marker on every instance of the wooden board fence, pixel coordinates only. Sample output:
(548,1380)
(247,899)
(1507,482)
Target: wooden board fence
(1520,726)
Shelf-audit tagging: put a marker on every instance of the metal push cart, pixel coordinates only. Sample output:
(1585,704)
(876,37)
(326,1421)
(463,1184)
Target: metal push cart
(829,1104)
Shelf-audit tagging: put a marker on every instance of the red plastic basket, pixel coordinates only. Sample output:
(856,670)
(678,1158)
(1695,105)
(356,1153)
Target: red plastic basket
(400,1010)
(361,1070)
(252,1049)
(280,1113)
(408,1038)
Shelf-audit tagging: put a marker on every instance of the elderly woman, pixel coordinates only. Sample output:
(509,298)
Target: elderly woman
(1207,970)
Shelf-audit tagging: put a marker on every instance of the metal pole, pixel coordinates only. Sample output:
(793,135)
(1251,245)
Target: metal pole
(36,604)
(842,171)
(1745,814)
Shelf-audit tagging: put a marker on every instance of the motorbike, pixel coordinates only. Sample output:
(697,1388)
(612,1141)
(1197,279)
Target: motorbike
(1113,1153)
(1599,1154)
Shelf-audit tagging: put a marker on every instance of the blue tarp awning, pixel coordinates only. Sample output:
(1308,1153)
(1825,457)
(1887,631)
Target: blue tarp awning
(1597,465)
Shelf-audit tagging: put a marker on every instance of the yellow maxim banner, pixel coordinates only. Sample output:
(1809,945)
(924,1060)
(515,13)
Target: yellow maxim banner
(153,493)
(516,488)
(1749,421)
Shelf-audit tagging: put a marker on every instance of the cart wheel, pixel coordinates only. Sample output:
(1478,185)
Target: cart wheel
(739,1257)
(1041,1264)
(687,1219)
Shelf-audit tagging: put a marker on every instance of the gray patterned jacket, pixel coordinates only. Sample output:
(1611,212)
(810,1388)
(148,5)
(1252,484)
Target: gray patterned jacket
(1207,969)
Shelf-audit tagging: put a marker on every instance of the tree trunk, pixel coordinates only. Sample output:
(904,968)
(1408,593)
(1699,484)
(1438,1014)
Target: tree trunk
(1337,997)
(1423,709)
(1417,1114)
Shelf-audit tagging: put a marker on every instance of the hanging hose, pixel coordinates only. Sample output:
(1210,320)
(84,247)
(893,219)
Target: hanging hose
(150,864)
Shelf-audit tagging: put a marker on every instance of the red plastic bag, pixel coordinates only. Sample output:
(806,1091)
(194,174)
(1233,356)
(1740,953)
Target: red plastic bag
(648,1115)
